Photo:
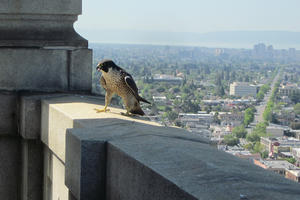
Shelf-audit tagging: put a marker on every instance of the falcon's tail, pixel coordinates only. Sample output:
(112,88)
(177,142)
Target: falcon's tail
(143,100)
(137,111)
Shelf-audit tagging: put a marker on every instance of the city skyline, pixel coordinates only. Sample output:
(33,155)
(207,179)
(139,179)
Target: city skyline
(158,22)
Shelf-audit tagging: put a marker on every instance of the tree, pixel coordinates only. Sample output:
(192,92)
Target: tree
(267,115)
(230,140)
(297,109)
(264,154)
(189,106)
(239,131)
(178,123)
(260,128)
(260,96)
(262,91)
(257,132)
(290,160)
(268,112)
(248,116)
(253,137)
(171,115)
(220,90)
(258,147)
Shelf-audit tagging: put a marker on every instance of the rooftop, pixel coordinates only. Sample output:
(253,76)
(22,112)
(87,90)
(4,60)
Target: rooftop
(278,164)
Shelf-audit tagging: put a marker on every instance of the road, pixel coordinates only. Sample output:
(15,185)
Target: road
(258,117)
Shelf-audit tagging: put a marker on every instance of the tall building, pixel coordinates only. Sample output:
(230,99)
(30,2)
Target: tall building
(289,89)
(242,89)
(260,49)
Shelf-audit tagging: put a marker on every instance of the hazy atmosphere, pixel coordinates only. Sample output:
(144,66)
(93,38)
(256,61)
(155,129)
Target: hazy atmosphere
(230,23)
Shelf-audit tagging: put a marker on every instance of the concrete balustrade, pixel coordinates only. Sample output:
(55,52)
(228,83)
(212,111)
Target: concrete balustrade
(111,156)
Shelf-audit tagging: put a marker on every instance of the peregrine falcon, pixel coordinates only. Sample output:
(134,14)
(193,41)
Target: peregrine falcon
(116,80)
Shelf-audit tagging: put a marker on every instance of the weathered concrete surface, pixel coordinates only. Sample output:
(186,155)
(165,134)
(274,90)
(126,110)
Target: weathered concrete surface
(41,7)
(59,114)
(81,69)
(85,166)
(10,161)
(33,69)
(32,170)
(86,151)
(8,113)
(39,23)
(30,113)
(54,178)
(48,70)
(151,162)
(155,167)
(30,117)
(117,157)
(48,171)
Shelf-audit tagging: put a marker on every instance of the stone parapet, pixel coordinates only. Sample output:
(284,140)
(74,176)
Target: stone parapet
(111,156)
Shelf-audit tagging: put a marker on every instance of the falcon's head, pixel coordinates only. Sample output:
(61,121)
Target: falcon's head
(105,65)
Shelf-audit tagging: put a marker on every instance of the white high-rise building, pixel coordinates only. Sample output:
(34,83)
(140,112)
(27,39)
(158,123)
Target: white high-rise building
(242,89)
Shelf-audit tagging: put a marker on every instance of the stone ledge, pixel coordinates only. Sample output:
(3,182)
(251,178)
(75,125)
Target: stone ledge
(137,162)
(30,113)
(86,151)
(107,155)
(59,114)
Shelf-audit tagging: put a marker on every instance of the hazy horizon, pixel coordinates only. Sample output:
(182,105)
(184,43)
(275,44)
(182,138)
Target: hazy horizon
(174,22)
(223,39)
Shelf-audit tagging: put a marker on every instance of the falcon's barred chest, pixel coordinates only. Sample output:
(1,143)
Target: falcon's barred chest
(116,82)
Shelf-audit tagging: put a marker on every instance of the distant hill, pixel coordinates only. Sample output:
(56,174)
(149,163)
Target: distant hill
(225,39)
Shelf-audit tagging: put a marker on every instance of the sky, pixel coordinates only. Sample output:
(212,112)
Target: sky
(116,19)
(198,16)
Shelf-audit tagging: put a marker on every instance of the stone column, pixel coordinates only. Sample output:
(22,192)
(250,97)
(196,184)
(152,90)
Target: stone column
(39,23)
(40,54)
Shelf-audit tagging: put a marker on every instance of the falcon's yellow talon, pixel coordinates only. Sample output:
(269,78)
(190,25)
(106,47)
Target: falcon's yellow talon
(101,110)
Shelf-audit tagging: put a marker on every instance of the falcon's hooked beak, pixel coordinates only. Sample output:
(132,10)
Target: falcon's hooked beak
(99,67)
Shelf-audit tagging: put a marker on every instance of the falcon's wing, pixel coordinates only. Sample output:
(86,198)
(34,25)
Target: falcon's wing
(103,82)
(131,84)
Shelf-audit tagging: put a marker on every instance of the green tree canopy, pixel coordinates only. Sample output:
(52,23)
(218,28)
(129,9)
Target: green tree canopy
(239,131)
(257,132)
(297,109)
(230,140)
(249,116)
